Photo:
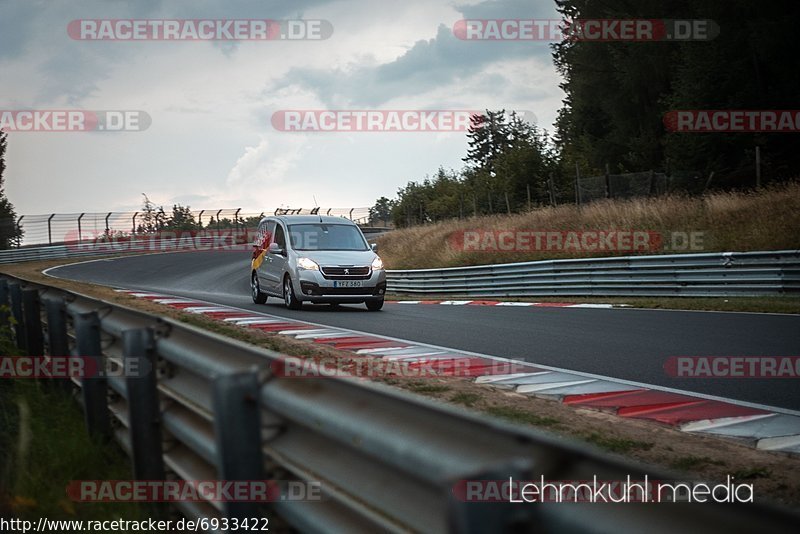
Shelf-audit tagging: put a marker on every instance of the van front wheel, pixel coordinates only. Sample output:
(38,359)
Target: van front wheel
(289,298)
(374,305)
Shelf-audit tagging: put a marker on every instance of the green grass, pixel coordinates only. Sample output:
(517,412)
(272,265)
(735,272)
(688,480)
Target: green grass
(55,449)
(752,473)
(418,387)
(467,399)
(521,416)
(618,445)
(687,463)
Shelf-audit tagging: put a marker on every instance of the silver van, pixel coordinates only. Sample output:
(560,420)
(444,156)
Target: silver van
(318,259)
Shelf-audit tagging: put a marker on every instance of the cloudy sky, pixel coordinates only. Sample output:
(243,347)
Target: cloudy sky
(211,143)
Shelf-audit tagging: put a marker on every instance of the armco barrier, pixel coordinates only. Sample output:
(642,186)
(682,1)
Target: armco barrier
(386,461)
(710,274)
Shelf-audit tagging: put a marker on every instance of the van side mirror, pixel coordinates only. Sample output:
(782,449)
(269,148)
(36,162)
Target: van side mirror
(374,247)
(275,248)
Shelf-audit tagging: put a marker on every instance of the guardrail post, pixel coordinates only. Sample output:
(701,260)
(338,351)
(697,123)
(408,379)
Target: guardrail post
(94,388)
(143,408)
(237,427)
(31,309)
(465,516)
(15,293)
(57,340)
(4,314)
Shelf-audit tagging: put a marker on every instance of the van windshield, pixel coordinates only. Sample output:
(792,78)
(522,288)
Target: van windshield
(326,237)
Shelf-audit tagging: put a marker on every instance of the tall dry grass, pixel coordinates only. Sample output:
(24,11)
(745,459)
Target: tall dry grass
(737,221)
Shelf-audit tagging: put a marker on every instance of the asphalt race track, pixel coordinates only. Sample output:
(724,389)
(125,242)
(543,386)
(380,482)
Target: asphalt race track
(629,344)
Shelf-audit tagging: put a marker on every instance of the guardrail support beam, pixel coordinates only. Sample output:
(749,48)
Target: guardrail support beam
(466,517)
(15,293)
(238,434)
(31,308)
(94,388)
(57,341)
(145,413)
(4,314)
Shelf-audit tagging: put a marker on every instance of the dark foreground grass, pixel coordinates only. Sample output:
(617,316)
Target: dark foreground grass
(44,445)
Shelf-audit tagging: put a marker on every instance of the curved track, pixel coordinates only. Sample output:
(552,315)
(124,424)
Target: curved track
(630,344)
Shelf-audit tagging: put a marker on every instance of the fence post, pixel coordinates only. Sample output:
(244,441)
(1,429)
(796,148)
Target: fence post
(236,219)
(578,198)
(19,230)
(550,187)
(329,211)
(608,182)
(133,220)
(15,294)
(49,229)
(57,341)
(31,309)
(94,388)
(80,234)
(508,205)
(144,412)
(528,190)
(218,212)
(237,429)
(200,218)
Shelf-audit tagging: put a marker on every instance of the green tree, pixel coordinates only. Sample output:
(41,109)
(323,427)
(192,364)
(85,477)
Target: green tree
(381,211)
(10,233)
(181,219)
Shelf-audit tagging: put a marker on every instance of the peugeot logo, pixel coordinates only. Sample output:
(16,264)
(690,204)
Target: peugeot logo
(347,271)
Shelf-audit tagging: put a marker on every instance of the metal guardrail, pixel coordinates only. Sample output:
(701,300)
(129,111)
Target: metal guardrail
(144,243)
(139,244)
(709,274)
(384,460)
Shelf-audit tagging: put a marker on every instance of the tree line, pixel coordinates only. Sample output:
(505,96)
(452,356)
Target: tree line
(613,117)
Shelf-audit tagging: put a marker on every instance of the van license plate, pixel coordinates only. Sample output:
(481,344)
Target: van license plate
(347,283)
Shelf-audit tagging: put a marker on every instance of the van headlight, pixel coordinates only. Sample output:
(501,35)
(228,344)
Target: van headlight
(307,264)
(377,264)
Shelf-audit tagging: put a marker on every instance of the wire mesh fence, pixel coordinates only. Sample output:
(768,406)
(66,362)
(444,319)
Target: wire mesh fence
(629,185)
(56,228)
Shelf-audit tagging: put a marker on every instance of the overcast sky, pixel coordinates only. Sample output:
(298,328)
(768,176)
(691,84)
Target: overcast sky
(211,143)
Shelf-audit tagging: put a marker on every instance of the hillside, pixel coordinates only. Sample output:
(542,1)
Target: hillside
(736,221)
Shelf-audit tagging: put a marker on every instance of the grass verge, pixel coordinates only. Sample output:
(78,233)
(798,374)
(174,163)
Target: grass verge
(45,446)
